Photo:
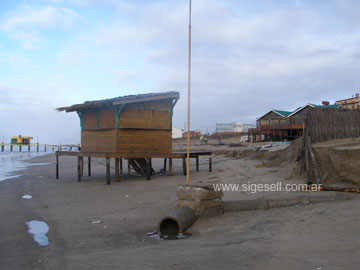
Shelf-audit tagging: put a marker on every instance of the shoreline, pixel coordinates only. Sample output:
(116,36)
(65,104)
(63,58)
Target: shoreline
(126,211)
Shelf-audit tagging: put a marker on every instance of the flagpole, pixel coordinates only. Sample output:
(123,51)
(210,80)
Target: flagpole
(189,91)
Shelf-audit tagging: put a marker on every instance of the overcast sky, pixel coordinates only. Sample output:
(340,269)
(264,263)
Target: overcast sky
(248,57)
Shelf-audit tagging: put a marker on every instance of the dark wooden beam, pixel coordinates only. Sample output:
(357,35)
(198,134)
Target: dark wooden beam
(197,163)
(57,167)
(108,171)
(184,165)
(148,168)
(79,169)
(117,161)
(89,166)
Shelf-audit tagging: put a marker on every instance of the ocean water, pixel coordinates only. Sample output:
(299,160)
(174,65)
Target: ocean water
(12,162)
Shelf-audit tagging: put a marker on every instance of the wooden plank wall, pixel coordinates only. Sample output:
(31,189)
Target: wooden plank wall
(144,143)
(100,140)
(89,120)
(144,130)
(107,119)
(146,115)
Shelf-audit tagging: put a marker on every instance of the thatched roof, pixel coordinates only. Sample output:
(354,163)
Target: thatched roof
(88,105)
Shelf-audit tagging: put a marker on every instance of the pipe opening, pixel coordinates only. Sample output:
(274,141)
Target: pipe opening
(169,227)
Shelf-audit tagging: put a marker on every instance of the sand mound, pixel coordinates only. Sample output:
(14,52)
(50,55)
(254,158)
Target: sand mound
(338,162)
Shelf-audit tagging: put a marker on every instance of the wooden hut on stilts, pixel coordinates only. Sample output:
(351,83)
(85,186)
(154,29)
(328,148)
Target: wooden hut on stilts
(135,127)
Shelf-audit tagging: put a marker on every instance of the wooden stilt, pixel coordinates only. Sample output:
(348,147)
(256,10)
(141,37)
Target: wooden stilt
(79,169)
(57,167)
(45,148)
(148,168)
(108,171)
(197,163)
(121,165)
(2,147)
(184,166)
(29,148)
(164,165)
(82,166)
(170,167)
(117,170)
(20,148)
(11,148)
(210,164)
(89,166)
(128,165)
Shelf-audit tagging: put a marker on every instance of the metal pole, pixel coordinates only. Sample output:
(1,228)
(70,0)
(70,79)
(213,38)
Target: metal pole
(189,92)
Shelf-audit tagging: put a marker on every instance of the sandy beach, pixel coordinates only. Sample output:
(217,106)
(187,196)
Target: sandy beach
(98,226)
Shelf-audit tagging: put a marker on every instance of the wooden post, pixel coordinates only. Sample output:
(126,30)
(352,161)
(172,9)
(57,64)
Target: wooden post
(121,166)
(89,166)
(79,169)
(148,168)
(57,167)
(82,166)
(37,148)
(128,165)
(45,148)
(197,163)
(20,148)
(108,171)
(29,148)
(11,148)
(184,166)
(117,169)
(210,164)
(2,147)
(170,166)
(164,165)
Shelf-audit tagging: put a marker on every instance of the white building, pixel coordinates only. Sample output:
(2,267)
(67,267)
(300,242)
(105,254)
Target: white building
(225,127)
(246,127)
(233,127)
(176,133)
(238,127)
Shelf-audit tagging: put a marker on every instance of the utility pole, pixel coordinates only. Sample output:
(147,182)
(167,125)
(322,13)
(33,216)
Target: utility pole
(189,92)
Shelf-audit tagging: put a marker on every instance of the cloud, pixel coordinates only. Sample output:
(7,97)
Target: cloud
(31,113)
(247,59)
(247,56)
(26,23)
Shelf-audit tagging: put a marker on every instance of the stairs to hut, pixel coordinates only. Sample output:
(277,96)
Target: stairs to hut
(139,165)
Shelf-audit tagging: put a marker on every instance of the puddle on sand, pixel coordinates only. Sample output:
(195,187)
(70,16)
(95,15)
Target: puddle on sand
(38,230)
(158,236)
(26,197)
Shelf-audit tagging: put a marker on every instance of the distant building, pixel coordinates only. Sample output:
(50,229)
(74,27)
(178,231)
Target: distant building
(281,125)
(350,103)
(193,134)
(233,127)
(238,127)
(176,132)
(224,127)
(21,140)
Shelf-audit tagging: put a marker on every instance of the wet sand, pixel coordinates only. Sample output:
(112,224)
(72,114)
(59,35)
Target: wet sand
(318,236)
